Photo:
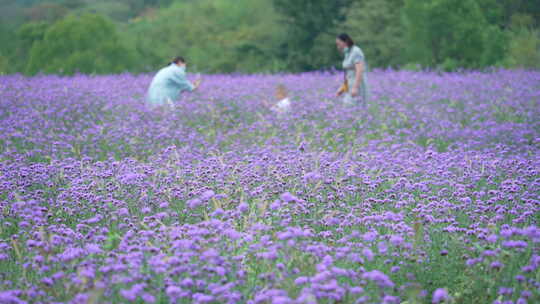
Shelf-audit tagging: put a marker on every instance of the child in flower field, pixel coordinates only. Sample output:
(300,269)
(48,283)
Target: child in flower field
(283,105)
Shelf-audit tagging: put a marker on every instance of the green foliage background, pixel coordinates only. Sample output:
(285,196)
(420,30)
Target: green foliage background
(86,44)
(101,36)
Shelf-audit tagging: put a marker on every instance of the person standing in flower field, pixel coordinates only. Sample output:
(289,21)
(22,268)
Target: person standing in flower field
(169,82)
(355,87)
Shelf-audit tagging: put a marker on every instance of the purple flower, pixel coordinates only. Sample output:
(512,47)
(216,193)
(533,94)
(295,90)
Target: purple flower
(128,294)
(93,249)
(10,296)
(390,299)
(356,290)
(378,277)
(123,212)
(526,294)
(492,238)
(173,292)
(194,203)
(148,298)
(206,195)
(496,265)
(506,291)
(312,177)
(383,248)
(369,236)
(275,205)
(288,197)
(217,213)
(520,278)
(396,240)
(368,254)
(71,254)
(79,298)
(301,280)
(440,295)
(47,281)
(514,244)
(281,300)
(243,207)
(187,283)
(203,298)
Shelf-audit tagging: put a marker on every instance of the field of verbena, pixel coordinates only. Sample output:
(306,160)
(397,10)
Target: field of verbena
(429,194)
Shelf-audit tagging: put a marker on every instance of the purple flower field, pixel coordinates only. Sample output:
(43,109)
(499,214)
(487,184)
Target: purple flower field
(429,194)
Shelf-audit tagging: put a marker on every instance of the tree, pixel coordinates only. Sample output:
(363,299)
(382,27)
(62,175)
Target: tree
(306,22)
(138,6)
(376,27)
(86,44)
(4,65)
(501,12)
(8,47)
(445,32)
(47,12)
(115,10)
(524,49)
(30,33)
(26,36)
(520,7)
(213,35)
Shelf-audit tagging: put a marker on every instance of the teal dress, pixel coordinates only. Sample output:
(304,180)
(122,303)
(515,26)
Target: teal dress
(354,55)
(167,84)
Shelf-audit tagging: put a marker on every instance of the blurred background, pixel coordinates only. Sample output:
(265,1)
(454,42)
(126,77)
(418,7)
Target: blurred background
(264,36)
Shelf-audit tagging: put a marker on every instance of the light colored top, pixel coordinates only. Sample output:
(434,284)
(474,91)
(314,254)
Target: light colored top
(167,84)
(282,106)
(352,56)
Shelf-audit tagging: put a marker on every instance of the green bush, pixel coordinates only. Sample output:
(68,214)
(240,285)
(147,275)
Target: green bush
(116,10)
(495,46)
(412,66)
(523,49)
(213,35)
(311,27)
(47,11)
(85,44)
(30,33)
(8,46)
(449,64)
(441,31)
(4,65)
(376,27)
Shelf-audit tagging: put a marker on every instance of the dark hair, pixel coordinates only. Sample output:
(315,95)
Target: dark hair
(178,59)
(346,38)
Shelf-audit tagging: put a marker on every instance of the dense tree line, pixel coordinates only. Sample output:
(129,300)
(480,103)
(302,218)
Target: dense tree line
(98,36)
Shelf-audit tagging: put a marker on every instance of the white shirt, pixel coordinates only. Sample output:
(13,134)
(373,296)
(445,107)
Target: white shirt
(283,105)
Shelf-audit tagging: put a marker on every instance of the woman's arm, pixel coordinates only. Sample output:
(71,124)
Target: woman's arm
(196,84)
(180,80)
(359,72)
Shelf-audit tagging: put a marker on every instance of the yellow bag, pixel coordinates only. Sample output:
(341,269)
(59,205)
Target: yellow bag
(344,88)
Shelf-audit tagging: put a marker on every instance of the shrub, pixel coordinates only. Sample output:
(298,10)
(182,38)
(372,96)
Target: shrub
(524,49)
(86,44)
